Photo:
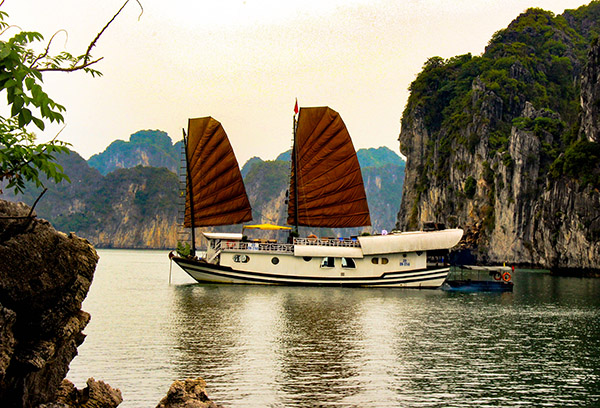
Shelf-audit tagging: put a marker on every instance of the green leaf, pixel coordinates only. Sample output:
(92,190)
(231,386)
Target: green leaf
(4,50)
(39,123)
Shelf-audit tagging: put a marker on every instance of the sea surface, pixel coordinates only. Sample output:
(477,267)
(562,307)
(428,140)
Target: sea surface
(263,346)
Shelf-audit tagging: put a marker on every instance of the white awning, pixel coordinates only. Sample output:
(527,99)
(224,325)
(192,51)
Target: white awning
(411,241)
(223,235)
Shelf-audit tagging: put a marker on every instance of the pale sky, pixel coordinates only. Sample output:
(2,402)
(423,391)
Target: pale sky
(244,62)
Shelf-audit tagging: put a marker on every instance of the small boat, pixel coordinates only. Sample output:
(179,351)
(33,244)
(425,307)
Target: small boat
(326,190)
(468,278)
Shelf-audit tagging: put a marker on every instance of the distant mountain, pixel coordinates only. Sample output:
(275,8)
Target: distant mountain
(285,156)
(248,165)
(383,176)
(152,148)
(128,208)
(137,207)
(378,157)
(366,157)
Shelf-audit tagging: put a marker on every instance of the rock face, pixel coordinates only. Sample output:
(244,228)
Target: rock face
(44,277)
(187,394)
(498,145)
(96,394)
(590,95)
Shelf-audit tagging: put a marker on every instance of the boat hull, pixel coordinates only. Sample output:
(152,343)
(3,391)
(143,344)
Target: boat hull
(204,272)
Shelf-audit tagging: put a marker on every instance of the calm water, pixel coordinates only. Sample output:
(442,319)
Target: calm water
(332,347)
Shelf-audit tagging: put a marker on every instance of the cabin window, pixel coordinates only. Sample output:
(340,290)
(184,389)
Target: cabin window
(307,258)
(328,262)
(274,260)
(384,261)
(348,263)
(374,261)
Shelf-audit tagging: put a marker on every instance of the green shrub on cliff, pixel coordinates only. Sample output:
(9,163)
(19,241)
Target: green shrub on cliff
(470,187)
(580,161)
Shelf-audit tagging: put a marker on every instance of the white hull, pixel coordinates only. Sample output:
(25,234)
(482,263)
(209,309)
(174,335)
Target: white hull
(398,260)
(203,272)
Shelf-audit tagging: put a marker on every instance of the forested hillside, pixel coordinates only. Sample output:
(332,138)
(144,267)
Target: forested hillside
(506,144)
(137,206)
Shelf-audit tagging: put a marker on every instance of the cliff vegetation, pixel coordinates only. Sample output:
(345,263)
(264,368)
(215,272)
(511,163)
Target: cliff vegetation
(505,144)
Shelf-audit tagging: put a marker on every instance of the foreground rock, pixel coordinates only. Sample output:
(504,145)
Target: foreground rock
(97,394)
(187,394)
(44,277)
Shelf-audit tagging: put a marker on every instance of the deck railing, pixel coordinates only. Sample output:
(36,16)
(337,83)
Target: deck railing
(278,247)
(335,242)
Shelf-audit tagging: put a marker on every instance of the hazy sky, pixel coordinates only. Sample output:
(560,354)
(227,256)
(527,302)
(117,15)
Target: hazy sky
(244,62)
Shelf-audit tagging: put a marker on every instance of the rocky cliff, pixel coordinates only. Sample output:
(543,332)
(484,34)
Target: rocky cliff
(44,277)
(505,145)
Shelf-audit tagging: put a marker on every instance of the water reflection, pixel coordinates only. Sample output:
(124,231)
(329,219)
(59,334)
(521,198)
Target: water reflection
(285,346)
(333,347)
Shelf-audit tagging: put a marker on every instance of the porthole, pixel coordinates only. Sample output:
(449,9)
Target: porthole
(384,261)
(403,255)
(236,258)
(307,258)
(374,261)
(274,260)
(244,258)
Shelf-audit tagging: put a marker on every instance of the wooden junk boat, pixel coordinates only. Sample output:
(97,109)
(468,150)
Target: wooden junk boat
(326,190)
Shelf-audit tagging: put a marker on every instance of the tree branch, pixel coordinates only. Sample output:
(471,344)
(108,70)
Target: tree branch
(70,69)
(47,50)
(93,43)
(86,56)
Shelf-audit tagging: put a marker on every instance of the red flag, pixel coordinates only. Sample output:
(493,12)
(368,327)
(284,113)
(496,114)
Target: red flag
(296,107)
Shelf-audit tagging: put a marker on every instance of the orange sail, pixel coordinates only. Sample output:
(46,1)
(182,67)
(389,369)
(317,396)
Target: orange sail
(215,188)
(326,188)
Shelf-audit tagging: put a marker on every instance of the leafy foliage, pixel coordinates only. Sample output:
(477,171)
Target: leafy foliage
(21,77)
(21,70)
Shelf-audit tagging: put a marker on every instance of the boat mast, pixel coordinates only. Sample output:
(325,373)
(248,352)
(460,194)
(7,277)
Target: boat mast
(295,166)
(191,195)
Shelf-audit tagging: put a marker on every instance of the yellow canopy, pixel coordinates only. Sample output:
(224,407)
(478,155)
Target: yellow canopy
(267,227)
